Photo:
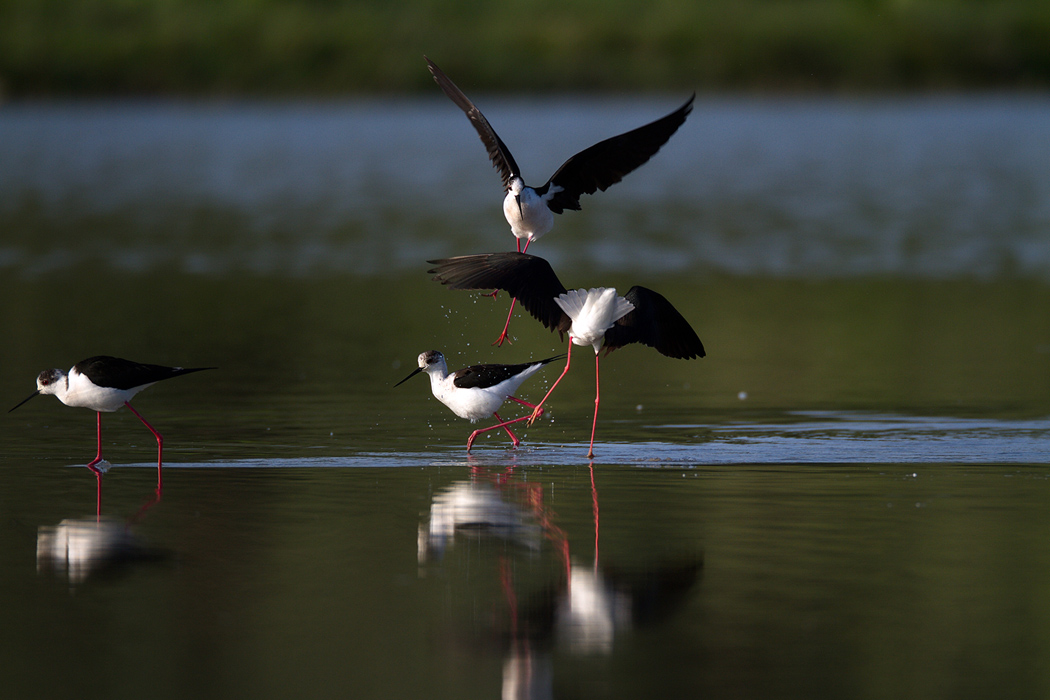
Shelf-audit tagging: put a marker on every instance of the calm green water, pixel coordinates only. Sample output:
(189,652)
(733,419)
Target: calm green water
(865,523)
(790,581)
(847,498)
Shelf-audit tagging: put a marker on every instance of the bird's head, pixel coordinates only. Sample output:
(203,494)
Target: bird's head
(426,360)
(46,383)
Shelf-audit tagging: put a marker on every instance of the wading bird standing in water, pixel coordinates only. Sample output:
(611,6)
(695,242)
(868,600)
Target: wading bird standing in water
(104,384)
(590,316)
(530,210)
(477,391)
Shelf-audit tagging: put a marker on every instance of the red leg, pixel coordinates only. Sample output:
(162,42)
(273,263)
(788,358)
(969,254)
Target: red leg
(537,410)
(523,403)
(502,424)
(512,599)
(92,467)
(154,500)
(590,452)
(503,335)
(513,437)
(160,442)
(594,507)
(98,454)
(98,491)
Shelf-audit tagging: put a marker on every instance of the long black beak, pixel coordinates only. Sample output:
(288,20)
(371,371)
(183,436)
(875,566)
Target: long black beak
(517,198)
(26,399)
(416,371)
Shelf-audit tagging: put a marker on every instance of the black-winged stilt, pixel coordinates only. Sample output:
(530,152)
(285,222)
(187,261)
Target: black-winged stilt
(104,384)
(590,316)
(478,391)
(530,210)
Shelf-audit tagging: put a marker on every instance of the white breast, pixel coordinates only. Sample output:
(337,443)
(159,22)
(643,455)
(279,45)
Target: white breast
(533,219)
(472,404)
(81,392)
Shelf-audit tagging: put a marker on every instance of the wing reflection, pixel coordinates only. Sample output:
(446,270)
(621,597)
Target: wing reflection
(596,606)
(79,547)
(584,615)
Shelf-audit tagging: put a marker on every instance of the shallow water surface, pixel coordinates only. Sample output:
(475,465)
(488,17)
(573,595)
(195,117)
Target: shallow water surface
(846,498)
(786,580)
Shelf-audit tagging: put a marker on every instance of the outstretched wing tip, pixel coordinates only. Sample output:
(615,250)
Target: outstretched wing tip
(607,162)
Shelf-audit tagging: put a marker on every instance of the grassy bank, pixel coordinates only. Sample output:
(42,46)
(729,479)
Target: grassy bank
(280,47)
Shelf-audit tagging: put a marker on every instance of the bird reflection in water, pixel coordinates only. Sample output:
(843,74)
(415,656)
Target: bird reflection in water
(153,499)
(77,548)
(585,612)
(599,604)
(490,506)
(581,611)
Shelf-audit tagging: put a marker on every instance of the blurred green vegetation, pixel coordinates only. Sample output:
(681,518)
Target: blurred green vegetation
(327,47)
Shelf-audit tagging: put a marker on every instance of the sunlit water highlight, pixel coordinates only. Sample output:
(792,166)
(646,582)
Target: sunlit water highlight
(816,438)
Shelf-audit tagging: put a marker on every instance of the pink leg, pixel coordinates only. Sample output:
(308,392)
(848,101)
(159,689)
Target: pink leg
(502,424)
(495,292)
(590,452)
(594,506)
(154,500)
(523,403)
(537,410)
(160,442)
(503,335)
(512,599)
(92,467)
(98,454)
(513,437)
(98,491)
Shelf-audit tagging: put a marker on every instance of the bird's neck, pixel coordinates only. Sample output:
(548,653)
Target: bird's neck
(61,389)
(439,376)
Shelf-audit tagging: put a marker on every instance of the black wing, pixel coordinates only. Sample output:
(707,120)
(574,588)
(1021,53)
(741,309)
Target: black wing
(484,376)
(125,374)
(499,154)
(654,322)
(606,163)
(527,278)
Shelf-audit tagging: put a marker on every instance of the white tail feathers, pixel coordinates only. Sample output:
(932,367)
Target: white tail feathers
(593,311)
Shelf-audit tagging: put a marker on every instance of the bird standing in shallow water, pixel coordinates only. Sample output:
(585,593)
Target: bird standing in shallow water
(104,384)
(594,317)
(530,210)
(477,391)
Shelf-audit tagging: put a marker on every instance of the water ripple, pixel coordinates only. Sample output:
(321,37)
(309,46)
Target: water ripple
(833,438)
